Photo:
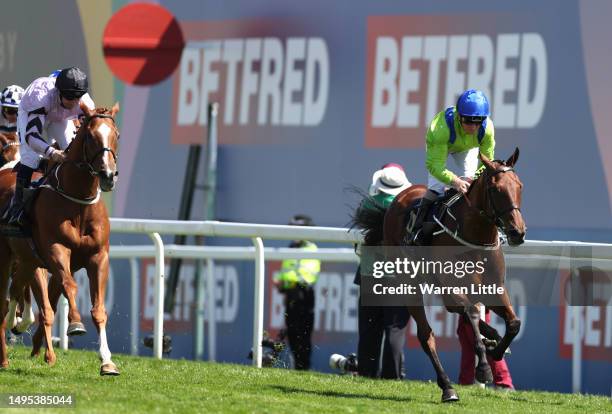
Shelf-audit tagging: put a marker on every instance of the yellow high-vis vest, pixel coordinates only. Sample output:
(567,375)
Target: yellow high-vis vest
(296,272)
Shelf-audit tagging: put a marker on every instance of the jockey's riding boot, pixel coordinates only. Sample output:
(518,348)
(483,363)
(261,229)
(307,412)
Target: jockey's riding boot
(15,211)
(426,202)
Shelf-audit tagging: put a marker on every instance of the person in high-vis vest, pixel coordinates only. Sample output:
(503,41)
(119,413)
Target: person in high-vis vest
(295,281)
(459,132)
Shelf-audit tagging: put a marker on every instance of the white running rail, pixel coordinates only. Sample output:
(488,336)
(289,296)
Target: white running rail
(532,254)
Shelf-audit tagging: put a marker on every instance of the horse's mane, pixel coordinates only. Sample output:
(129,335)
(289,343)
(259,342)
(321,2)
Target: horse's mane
(476,180)
(102,110)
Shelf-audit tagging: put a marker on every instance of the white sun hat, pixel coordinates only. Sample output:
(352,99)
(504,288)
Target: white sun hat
(390,179)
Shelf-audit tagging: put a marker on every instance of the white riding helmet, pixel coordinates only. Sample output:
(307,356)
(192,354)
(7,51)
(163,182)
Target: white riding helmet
(11,96)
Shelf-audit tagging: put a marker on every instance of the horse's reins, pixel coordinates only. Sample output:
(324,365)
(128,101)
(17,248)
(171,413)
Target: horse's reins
(9,144)
(4,148)
(82,165)
(494,218)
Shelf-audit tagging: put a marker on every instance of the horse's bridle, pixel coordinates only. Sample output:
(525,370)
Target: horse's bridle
(87,164)
(496,217)
(3,159)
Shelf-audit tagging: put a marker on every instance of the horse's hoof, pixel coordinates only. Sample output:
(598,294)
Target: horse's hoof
(484,374)
(489,344)
(50,361)
(449,395)
(109,369)
(76,329)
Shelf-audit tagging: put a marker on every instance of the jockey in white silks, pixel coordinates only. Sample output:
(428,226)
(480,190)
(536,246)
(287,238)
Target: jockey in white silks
(49,105)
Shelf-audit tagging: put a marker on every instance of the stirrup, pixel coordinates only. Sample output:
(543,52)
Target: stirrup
(15,218)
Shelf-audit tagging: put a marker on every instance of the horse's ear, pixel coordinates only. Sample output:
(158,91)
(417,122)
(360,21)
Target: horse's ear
(86,110)
(115,109)
(513,158)
(487,162)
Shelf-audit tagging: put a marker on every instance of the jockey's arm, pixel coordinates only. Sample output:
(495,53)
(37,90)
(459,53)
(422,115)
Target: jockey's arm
(33,138)
(34,128)
(436,143)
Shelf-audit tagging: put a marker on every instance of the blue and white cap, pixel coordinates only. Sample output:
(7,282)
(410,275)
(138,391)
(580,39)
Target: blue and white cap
(11,96)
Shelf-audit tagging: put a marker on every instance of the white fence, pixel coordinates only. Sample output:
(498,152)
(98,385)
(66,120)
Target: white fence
(533,254)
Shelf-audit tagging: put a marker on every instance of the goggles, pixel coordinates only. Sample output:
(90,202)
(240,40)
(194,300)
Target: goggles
(472,120)
(72,95)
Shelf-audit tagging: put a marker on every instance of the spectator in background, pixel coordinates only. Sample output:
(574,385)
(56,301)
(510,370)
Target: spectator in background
(501,374)
(295,281)
(378,321)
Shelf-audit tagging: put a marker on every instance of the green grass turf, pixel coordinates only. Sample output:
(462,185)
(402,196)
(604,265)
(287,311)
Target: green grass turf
(179,386)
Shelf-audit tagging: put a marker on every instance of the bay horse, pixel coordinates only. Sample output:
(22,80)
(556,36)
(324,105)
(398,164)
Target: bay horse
(493,201)
(69,231)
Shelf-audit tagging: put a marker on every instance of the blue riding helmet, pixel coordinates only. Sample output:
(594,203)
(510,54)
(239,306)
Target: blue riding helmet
(473,103)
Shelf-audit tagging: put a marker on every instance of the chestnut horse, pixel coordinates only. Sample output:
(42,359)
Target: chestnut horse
(69,230)
(493,201)
(9,148)
(18,319)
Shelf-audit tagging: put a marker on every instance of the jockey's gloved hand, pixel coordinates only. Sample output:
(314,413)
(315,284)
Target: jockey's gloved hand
(460,185)
(56,155)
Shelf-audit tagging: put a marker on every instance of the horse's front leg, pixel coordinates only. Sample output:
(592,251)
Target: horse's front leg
(484,374)
(39,287)
(20,294)
(54,293)
(4,279)
(513,326)
(97,270)
(27,314)
(16,297)
(460,304)
(59,265)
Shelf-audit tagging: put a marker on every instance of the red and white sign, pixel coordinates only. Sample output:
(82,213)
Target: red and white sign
(265,83)
(227,297)
(595,321)
(418,65)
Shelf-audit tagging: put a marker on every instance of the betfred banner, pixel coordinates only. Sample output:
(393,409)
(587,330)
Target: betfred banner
(418,65)
(268,84)
(591,318)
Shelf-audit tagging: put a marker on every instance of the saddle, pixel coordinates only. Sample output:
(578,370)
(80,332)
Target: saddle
(29,195)
(25,231)
(436,213)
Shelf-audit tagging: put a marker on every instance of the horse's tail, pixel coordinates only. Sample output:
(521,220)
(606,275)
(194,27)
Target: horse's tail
(370,217)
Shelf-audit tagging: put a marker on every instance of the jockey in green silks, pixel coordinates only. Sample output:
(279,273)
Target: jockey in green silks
(460,132)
